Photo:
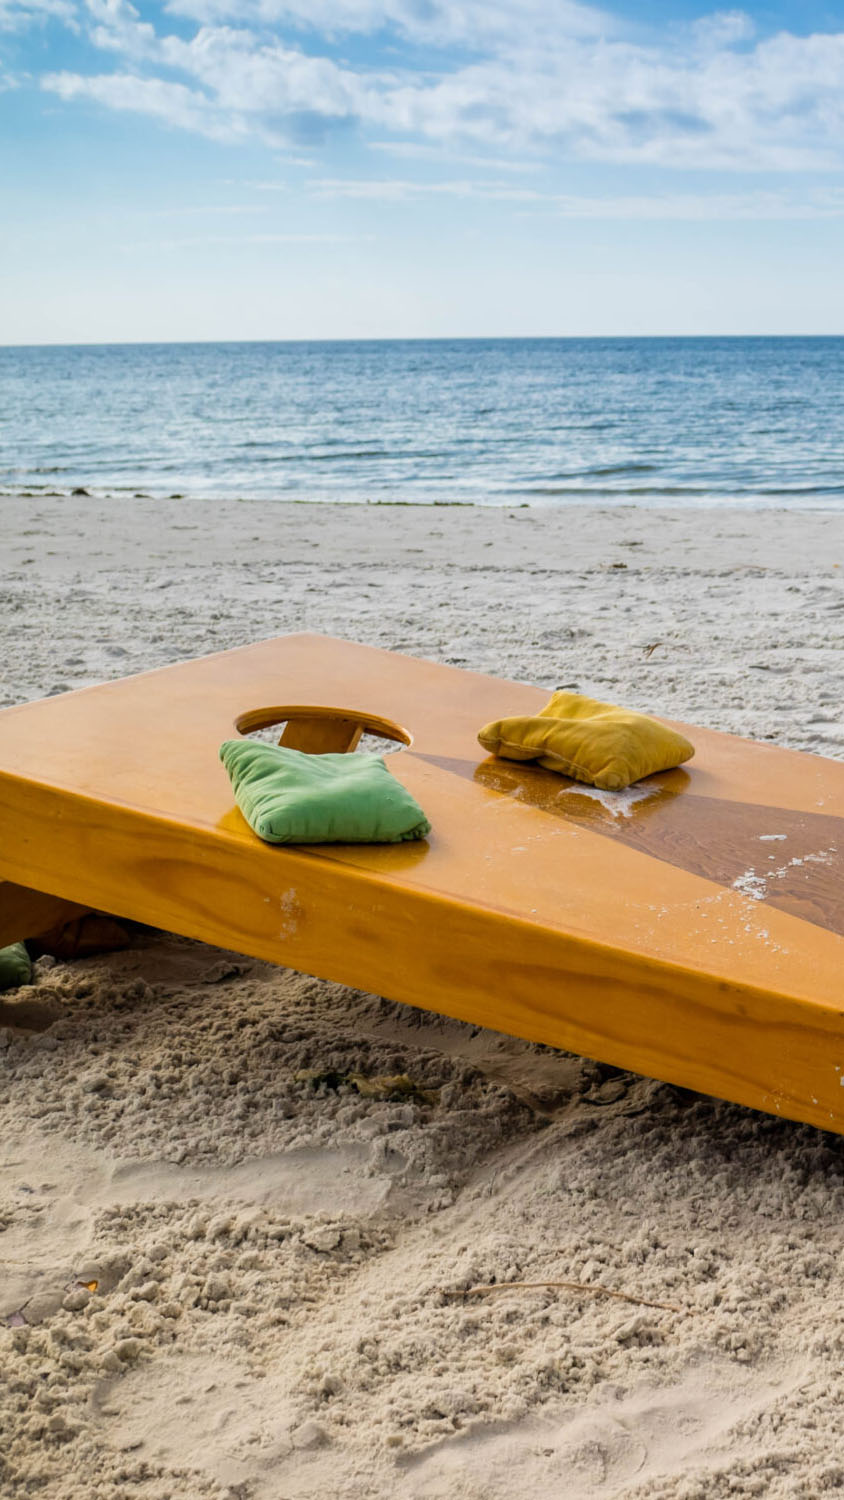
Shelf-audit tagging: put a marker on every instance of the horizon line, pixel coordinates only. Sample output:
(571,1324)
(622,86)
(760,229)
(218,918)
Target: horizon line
(487,338)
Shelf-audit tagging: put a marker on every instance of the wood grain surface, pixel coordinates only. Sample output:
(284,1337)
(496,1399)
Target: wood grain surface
(693,934)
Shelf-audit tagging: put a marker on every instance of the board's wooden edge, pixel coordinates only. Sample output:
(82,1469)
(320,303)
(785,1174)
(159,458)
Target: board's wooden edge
(234,840)
(339,922)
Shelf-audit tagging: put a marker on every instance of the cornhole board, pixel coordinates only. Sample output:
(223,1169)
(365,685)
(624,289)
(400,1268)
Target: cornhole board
(691,929)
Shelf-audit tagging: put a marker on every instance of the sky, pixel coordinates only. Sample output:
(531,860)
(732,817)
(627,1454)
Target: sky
(277,169)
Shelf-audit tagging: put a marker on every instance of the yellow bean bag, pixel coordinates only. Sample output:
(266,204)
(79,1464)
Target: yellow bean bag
(598,743)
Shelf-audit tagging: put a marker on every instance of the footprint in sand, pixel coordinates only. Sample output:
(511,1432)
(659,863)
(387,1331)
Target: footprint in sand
(617,1440)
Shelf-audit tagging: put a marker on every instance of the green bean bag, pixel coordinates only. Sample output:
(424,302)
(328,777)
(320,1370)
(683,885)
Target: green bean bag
(288,797)
(15,967)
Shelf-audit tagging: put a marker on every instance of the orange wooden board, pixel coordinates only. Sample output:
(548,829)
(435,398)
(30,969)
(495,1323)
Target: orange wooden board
(692,929)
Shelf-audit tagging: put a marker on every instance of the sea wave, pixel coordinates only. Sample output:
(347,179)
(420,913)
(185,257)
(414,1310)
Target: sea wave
(488,422)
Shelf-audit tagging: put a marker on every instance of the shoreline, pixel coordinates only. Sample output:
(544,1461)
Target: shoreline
(543,500)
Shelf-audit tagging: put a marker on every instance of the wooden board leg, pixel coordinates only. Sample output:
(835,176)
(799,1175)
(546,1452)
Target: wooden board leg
(24,913)
(321,736)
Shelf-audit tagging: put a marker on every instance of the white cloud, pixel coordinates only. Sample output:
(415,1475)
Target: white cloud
(702,207)
(398,190)
(477,24)
(705,96)
(171,102)
(267,77)
(119,29)
(212,209)
(723,29)
(259,184)
(17,15)
(241,241)
(419,151)
(705,207)
(245,74)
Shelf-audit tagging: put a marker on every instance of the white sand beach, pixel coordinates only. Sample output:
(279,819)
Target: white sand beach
(222,1278)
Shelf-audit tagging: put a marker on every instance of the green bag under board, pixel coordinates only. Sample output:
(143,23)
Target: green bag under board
(288,797)
(15,966)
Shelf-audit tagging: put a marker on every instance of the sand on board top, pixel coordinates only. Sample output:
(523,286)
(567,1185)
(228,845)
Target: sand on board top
(235,1262)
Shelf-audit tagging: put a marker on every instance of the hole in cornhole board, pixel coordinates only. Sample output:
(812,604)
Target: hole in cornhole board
(320,730)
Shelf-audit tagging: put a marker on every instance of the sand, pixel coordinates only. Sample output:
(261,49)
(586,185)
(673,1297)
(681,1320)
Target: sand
(231,1270)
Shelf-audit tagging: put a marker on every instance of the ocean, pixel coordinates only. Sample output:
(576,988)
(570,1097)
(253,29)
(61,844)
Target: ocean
(758,421)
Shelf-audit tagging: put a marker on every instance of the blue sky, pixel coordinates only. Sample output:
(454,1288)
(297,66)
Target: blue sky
(205,169)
